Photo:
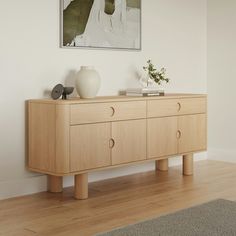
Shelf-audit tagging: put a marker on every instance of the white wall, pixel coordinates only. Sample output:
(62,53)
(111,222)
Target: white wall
(31,62)
(222,79)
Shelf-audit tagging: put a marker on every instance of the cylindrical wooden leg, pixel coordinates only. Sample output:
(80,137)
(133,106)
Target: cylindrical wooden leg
(188,164)
(55,184)
(81,186)
(162,165)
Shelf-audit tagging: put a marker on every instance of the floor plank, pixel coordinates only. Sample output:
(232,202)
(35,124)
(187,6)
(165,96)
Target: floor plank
(117,202)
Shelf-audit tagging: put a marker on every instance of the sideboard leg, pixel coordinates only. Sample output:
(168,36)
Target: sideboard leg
(55,184)
(162,165)
(81,186)
(188,164)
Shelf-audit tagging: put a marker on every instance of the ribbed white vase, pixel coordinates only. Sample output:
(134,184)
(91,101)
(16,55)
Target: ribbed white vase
(88,82)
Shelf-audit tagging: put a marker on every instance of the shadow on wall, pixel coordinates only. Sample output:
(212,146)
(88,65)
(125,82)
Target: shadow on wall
(70,81)
(134,76)
(132,80)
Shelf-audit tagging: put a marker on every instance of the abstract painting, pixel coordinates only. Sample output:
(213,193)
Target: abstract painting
(101,24)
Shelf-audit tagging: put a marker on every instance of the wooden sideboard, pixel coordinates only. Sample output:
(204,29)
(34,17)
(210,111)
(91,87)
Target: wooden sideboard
(78,136)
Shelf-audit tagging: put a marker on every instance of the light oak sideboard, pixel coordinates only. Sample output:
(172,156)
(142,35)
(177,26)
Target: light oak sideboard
(78,136)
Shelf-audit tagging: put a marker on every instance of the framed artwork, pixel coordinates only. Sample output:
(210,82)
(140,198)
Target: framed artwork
(114,24)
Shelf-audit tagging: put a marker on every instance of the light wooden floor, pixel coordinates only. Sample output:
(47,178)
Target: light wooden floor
(117,202)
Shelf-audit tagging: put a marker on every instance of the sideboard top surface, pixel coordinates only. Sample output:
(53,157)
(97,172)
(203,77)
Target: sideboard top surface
(122,98)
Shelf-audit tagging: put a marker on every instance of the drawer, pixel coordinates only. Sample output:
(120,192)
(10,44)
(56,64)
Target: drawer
(172,107)
(103,112)
(192,106)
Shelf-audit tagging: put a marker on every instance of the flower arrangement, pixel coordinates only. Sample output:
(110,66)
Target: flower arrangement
(157,76)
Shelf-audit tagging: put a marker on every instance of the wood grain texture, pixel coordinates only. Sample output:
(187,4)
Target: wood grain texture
(192,106)
(63,141)
(41,128)
(112,166)
(192,133)
(130,141)
(48,137)
(161,108)
(161,137)
(162,165)
(110,111)
(89,146)
(55,184)
(173,107)
(81,186)
(76,100)
(117,202)
(188,164)
(62,138)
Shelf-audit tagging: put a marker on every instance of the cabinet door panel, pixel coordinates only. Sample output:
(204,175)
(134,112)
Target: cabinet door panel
(193,133)
(89,146)
(162,137)
(129,141)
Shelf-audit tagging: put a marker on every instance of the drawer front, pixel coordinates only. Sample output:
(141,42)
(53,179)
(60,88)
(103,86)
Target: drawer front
(172,107)
(192,106)
(103,112)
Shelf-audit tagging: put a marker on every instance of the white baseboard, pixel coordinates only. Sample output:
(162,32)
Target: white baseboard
(21,187)
(222,155)
(38,183)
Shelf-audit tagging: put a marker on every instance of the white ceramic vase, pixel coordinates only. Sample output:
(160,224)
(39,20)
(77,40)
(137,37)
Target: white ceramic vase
(88,82)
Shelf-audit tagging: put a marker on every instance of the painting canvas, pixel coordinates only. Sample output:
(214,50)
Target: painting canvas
(101,24)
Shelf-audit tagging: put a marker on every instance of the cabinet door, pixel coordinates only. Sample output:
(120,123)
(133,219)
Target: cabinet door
(193,133)
(162,137)
(89,146)
(129,141)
